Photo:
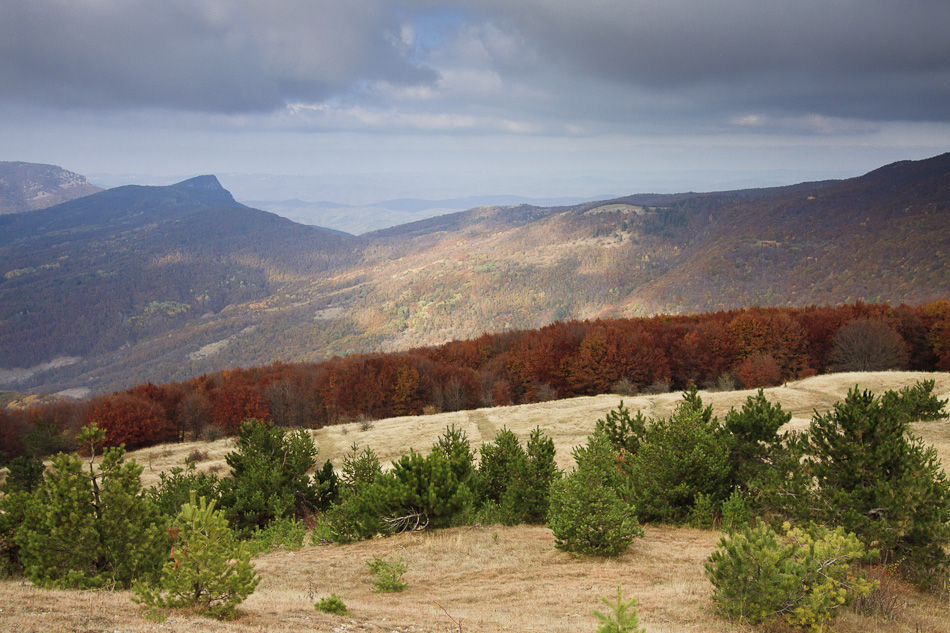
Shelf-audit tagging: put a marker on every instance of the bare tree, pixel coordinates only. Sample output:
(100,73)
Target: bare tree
(867,345)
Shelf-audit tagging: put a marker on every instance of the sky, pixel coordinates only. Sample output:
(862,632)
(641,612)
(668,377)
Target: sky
(356,100)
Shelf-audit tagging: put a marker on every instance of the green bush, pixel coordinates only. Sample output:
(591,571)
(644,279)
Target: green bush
(500,459)
(208,569)
(527,497)
(24,474)
(91,527)
(332,604)
(328,486)
(12,512)
(587,514)
(281,533)
(419,492)
(453,444)
(515,481)
(877,480)
(175,487)
(269,477)
(680,458)
(388,574)
(622,617)
(360,467)
(753,439)
(352,519)
(803,577)
(625,432)
(917,403)
(735,511)
(703,513)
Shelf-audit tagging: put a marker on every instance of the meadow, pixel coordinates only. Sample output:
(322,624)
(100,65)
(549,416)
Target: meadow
(489,578)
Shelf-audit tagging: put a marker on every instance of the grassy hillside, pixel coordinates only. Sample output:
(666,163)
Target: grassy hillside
(487,579)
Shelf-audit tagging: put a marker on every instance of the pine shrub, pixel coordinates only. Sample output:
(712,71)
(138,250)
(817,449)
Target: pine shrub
(626,432)
(175,487)
(286,533)
(803,577)
(517,481)
(91,527)
(360,467)
(208,571)
(876,479)
(388,574)
(587,513)
(269,477)
(753,438)
(680,457)
(332,604)
(622,617)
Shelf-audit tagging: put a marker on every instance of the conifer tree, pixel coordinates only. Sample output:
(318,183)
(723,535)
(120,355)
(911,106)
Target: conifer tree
(208,569)
(876,479)
(91,528)
(588,513)
(269,477)
(622,617)
(753,438)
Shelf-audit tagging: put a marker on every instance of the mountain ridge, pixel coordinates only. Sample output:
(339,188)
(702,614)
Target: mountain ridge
(31,186)
(245,287)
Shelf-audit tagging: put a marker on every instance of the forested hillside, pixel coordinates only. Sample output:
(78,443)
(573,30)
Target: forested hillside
(100,273)
(166,283)
(724,350)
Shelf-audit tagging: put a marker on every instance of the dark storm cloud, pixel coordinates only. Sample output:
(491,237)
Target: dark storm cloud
(885,59)
(526,64)
(195,54)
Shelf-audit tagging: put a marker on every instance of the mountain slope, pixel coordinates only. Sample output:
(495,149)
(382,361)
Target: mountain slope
(164,283)
(93,275)
(31,186)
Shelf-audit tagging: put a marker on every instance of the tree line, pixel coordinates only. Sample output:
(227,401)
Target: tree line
(753,347)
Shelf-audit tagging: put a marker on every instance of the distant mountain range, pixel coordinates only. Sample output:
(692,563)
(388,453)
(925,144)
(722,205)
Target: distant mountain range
(29,186)
(163,283)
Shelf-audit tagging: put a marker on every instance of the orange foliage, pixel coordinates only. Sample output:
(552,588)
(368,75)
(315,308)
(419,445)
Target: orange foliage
(762,346)
(235,403)
(130,420)
(760,370)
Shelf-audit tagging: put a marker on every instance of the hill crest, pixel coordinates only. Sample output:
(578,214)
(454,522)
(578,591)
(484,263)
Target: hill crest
(32,186)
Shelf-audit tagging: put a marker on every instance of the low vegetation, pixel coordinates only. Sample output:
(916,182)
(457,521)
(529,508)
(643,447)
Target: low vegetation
(634,478)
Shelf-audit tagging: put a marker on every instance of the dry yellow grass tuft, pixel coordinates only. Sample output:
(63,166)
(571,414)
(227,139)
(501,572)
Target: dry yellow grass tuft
(486,579)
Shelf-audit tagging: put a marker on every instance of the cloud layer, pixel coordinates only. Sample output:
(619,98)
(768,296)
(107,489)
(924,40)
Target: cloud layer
(532,66)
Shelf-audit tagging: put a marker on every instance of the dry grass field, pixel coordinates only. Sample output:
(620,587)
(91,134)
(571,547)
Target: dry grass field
(484,579)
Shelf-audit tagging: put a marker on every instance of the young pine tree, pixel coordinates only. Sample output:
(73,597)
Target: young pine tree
(208,569)
(877,480)
(588,513)
(91,527)
(269,477)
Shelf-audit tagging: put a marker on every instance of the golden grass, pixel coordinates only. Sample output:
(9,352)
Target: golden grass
(488,579)
(568,422)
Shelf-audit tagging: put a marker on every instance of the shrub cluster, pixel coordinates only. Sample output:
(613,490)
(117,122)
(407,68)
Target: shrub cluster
(86,522)
(804,576)
(445,487)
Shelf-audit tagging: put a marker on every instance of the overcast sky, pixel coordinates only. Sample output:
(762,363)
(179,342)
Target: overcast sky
(443,98)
